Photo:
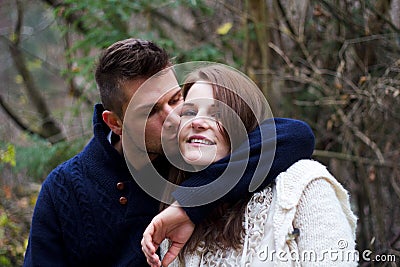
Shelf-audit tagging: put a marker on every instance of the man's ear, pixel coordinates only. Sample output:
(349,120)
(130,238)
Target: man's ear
(113,121)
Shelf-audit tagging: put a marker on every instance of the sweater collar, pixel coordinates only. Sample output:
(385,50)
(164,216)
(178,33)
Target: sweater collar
(101,132)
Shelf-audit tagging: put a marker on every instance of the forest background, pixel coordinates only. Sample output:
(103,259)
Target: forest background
(332,63)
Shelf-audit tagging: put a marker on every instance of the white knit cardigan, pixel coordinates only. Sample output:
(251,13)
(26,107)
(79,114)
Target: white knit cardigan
(304,219)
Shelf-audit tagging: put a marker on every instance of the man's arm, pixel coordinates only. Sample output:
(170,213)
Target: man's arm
(44,245)
(293,140)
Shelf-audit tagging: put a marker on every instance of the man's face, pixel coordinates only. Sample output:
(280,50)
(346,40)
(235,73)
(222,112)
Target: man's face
(152,111)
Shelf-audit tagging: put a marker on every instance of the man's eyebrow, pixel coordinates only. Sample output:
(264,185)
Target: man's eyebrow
(146,107)
(155,105)
(177,93)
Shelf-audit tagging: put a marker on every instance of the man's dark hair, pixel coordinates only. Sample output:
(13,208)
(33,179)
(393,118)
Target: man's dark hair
(126,60)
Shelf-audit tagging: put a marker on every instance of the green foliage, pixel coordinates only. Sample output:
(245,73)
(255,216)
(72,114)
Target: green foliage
(34,162)
(104,22)
(38,159)
(12,237)
(206,52)
(8,156)
(4,261)
(197,4)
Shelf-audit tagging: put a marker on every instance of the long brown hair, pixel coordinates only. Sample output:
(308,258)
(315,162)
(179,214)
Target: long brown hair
(223,227)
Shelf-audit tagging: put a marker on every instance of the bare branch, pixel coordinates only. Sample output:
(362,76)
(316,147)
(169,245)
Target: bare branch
(73,88)
(195,33)
(285,17)
(15,117)
(382,16)
(394,183)
(347,157)
(49,129)
(343,18)
(362,136)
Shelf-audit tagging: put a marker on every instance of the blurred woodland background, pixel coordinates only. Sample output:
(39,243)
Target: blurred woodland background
(332,63)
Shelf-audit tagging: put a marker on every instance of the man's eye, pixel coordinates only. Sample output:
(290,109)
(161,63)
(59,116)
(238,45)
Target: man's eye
(176,99)
(153,111)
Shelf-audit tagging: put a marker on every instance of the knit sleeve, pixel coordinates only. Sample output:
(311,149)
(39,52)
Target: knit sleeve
(273,147)
(44,244)
(326,235)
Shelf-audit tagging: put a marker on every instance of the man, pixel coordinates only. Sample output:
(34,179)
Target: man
(90,211)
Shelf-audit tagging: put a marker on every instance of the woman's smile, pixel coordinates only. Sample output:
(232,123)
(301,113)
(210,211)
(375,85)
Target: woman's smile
(196,140)
(201,139)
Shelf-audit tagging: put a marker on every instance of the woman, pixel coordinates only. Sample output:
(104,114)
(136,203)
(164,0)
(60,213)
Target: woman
(303,218)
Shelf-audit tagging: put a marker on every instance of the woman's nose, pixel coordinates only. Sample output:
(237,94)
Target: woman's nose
(200,122)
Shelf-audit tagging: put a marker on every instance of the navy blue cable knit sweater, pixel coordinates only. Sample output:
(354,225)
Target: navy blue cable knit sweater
(90,212)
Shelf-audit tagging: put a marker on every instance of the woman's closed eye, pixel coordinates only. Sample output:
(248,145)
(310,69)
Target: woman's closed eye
(192,113)
(188,113)
(215,114)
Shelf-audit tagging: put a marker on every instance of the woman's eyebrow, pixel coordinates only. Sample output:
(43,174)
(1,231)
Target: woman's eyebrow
(188,104)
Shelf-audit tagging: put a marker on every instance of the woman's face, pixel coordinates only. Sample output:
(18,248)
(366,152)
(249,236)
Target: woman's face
(200,139)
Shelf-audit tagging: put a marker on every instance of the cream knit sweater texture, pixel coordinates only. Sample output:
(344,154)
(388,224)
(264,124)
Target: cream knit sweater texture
(304,219)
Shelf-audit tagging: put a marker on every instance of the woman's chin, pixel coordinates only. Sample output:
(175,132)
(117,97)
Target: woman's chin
(198,161)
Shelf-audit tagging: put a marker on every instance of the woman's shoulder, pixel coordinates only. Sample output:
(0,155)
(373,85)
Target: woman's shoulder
(307,183)
(305,170)
(291,184)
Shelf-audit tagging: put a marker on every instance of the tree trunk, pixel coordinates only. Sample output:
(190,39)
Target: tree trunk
(48,129)
(258,62)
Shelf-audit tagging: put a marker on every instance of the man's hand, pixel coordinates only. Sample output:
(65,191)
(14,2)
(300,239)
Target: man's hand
(172,223)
